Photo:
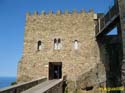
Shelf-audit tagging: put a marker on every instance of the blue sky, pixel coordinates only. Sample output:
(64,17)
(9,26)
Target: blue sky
(12,23)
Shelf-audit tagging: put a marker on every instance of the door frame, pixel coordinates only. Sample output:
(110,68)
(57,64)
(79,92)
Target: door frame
(51,69)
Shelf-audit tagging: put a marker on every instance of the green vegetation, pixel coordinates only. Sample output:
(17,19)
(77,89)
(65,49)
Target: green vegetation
(13,83)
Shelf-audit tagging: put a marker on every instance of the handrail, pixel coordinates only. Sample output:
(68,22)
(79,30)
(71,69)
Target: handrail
(49,86)
(54,86)
(21,86)
(104,20)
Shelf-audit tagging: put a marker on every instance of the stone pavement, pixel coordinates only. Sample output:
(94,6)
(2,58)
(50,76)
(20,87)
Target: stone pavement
(43,87)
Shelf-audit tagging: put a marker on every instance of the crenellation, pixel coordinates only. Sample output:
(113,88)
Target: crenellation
(27,16)
(35,13)
(43,13)
(83,11)
(66,12)
(50,13)
(75,12)
(91,10)
(58,12)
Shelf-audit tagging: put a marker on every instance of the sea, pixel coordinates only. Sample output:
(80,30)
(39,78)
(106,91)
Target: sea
(6,81)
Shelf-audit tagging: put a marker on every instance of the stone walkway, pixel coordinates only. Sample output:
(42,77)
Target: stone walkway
(41,88)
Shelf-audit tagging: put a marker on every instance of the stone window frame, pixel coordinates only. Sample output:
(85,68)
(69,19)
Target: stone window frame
(76,44)
(57,43)
(39,45)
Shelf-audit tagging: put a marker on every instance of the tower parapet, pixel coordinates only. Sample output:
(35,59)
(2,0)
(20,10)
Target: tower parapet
(43,13)
(91,10)
(51,12)
(83,11)
(66,12)
(58,12)
(36,13)
(75,11)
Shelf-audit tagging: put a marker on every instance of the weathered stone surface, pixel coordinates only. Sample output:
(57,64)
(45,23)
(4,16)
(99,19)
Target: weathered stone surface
(95,78)
(68,27)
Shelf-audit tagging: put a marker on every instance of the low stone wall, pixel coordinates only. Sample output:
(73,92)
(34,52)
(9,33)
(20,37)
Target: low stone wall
(58,88)
(49,86)
(18,88)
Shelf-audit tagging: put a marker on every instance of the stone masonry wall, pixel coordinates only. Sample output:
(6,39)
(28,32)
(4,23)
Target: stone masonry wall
(68,27)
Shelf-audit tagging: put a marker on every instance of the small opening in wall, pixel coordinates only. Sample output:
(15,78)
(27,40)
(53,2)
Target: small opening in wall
(39,44)
(59,43)
(88,88)
(55,43)
(76,44)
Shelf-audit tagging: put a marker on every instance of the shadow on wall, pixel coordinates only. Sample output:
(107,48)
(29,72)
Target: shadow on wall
(65,84)
(111,56)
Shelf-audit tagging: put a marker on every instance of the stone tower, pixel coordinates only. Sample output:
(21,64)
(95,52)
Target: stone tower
(58,44)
